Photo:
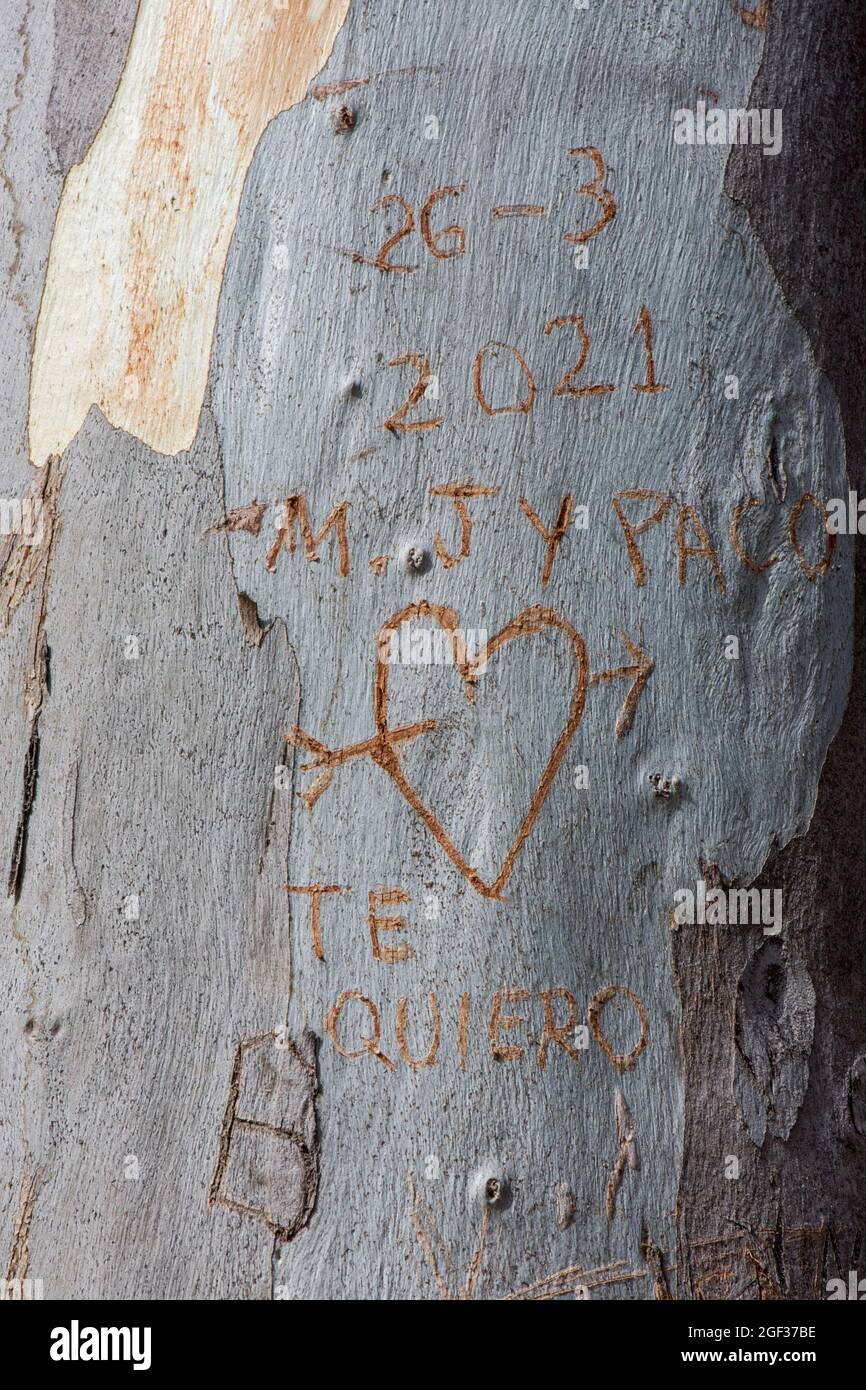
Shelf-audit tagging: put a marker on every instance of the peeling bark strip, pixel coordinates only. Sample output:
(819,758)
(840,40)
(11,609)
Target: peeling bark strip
(24,559)
(28,794)
(144,224)
(25,568)
(19,1257)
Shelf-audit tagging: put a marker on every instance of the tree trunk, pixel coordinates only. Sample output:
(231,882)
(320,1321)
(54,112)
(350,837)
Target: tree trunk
(418,585)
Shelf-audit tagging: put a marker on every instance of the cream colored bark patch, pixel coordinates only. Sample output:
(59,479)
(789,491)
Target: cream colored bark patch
(144,223)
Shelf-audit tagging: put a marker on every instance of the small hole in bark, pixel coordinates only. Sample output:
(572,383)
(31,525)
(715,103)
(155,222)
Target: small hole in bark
(416,560)
(343,120)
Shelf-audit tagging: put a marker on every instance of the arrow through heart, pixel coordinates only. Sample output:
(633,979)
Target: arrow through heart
(385,744)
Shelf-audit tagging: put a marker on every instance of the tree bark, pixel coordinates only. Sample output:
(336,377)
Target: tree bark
(419,582)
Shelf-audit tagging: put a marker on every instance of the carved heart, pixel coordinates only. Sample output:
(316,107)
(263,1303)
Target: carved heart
(384,752)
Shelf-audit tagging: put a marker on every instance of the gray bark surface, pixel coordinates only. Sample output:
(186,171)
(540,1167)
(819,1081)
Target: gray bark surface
(163,999)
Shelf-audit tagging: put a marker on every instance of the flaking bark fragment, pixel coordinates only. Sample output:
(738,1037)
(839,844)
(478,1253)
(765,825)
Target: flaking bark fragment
(28,795)
(253,630)
(248,518)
